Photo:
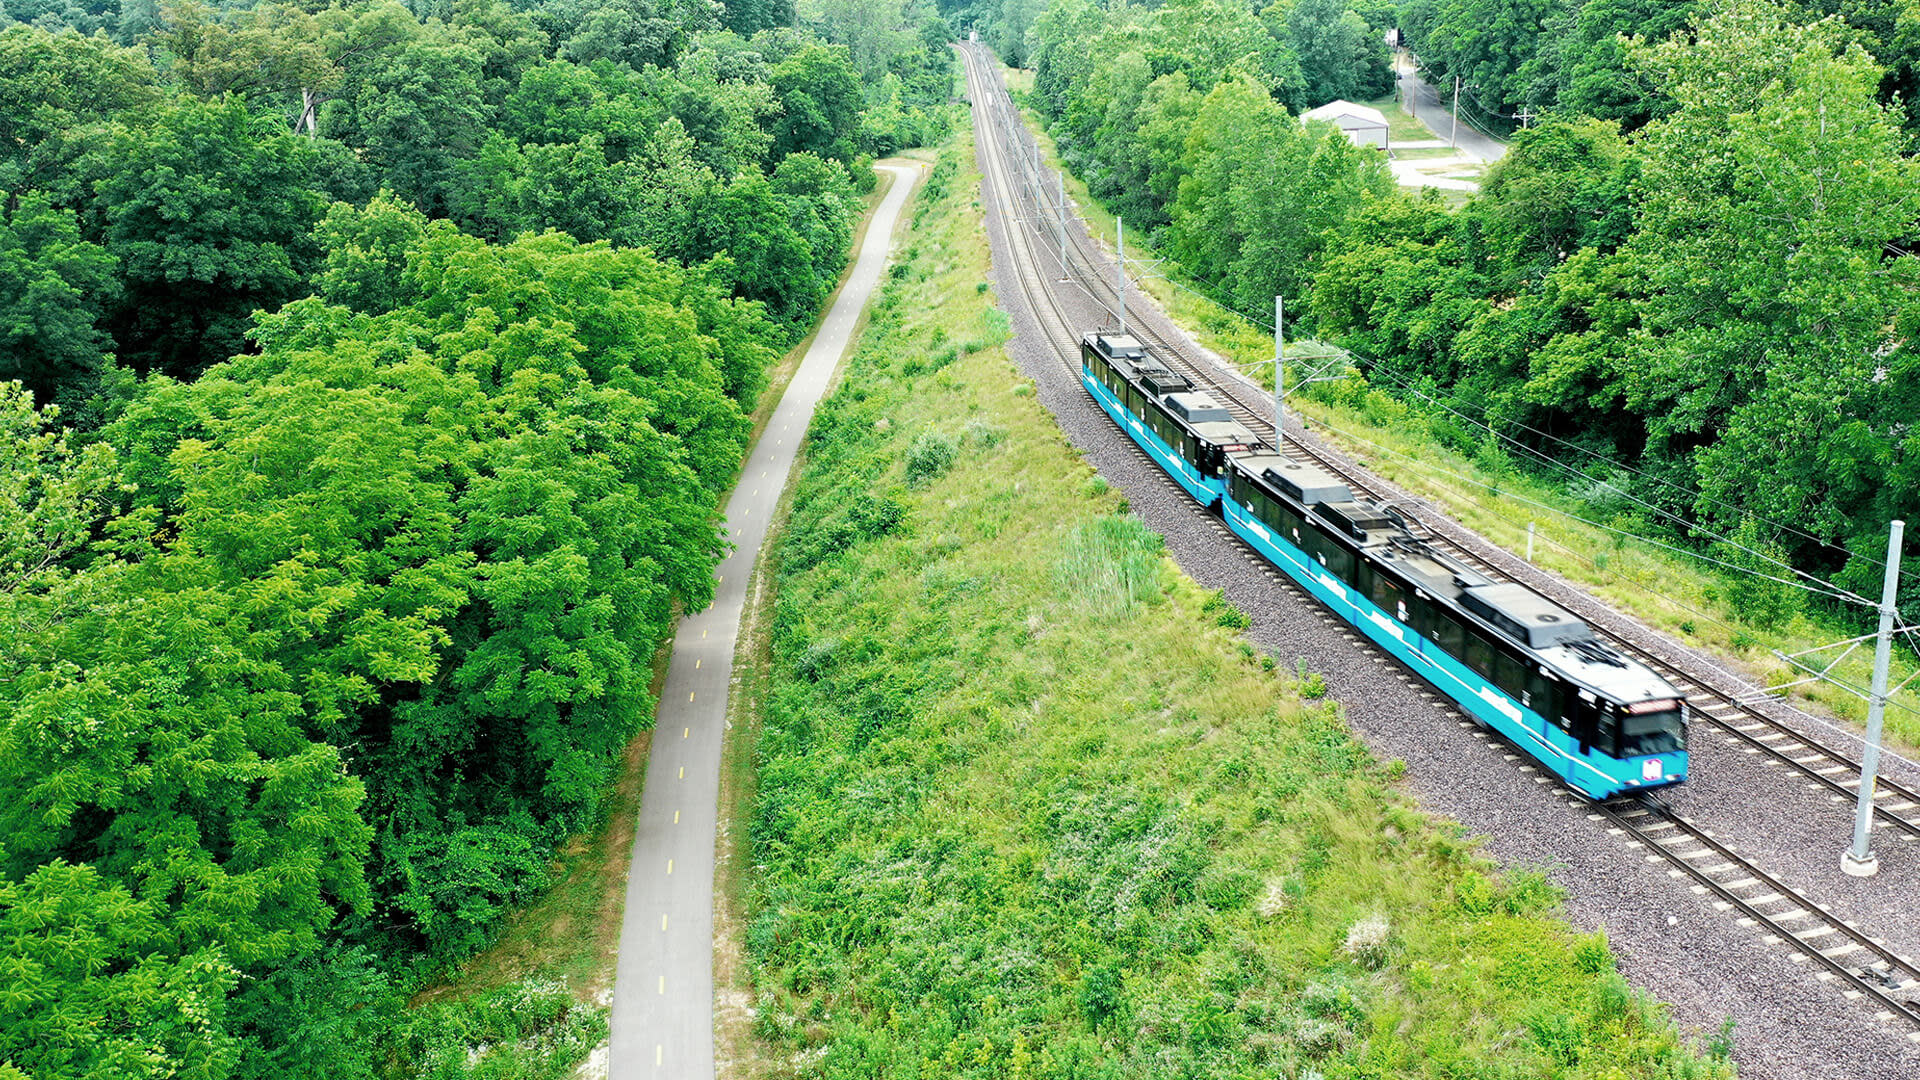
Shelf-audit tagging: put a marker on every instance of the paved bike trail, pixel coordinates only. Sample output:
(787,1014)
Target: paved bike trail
(662,1022)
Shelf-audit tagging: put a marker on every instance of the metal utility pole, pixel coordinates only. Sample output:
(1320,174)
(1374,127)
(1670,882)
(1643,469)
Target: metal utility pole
(1120,268)
(1279,371)
(1860,861)
(1453,138)
(1529,541)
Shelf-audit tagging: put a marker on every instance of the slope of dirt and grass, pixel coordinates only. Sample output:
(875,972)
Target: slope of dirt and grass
(1024,804)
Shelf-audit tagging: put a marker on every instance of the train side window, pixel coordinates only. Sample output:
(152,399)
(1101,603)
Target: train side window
(1584,717)
(1420,610)
(1339,560)
(1448,633)
(1544,693)
(1479,653)
(1509,673)
(1385,594)
(1362,577)
(1607,730)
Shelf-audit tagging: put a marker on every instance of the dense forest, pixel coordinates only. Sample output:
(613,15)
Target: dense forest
(370,377)
(1686,288)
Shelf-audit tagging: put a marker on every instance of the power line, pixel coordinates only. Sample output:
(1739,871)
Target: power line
(1693,526)
(1829,591)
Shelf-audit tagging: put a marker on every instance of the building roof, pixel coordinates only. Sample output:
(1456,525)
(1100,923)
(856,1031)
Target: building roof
(1339,110)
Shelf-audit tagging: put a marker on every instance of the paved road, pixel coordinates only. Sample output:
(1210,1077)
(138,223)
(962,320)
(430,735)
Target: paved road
(663,988)
(1436,114)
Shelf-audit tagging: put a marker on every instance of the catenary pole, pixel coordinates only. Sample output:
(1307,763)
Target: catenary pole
(1120,268)
(1279,371)
(1860,861)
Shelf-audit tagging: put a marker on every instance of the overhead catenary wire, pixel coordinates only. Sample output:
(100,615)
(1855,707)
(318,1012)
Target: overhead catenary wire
(1078,256)
(1571,516)
(1375,365)
(1406,382)
(1693,526)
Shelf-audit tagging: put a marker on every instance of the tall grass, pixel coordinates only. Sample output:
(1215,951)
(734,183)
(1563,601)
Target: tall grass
(1108,565)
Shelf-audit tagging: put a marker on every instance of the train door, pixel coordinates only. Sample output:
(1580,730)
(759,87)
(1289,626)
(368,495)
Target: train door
(1583,719)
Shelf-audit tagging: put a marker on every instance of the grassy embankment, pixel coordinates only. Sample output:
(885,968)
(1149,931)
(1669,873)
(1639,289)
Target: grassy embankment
(1483,488)
(568,939)
(1027,806)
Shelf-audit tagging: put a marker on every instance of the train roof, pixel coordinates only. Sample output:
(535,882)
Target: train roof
(1229,434)
(1525,615)
(1124,346)
(1197,408)
(1559,638)
(1309,484)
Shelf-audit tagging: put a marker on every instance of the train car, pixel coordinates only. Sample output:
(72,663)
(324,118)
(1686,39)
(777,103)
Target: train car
(1514,660)
(1184,431)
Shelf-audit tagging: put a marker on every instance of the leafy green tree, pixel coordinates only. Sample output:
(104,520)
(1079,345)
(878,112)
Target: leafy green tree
(551,424)
(52,497)
(749,17)
(1564,185)
(632,33)
(1261,193)
(414,112)
(871,31)
(53,87)
(1485,44)
(209,209)
(1340,56)
(1581,65)
(266,51)
(821,206)
(768,259)
(737,125)
(54,289)
(94,987)
(820,99)
(1771,195)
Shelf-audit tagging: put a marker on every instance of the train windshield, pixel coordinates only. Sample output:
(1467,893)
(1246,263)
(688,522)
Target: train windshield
(1651,727)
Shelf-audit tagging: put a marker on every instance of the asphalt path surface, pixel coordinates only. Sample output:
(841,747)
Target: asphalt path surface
(662,1023)
(1436,113)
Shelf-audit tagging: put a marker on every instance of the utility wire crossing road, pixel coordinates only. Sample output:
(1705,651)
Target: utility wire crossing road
(663,989)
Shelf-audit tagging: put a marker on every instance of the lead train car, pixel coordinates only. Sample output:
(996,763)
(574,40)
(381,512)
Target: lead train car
(1519,663)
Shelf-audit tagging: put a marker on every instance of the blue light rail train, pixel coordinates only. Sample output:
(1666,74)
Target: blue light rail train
(1513,659)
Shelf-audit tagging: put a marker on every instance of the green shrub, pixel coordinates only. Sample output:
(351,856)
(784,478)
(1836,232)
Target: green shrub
(929,457)
(1592,954)
(528,1031)
(1224,613)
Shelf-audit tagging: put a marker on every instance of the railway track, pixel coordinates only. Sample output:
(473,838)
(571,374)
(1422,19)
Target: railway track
(1812,934)
(1837,951)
